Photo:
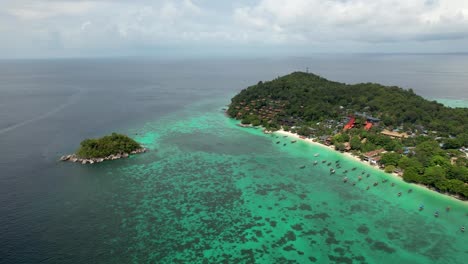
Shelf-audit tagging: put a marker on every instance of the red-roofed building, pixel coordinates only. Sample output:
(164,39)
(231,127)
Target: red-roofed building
(368,126)
(350,124)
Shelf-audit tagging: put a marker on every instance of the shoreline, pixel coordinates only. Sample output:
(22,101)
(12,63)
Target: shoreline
(75,159)
(354,158)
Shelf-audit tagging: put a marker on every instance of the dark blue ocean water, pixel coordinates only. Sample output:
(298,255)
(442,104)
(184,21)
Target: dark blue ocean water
(56,213)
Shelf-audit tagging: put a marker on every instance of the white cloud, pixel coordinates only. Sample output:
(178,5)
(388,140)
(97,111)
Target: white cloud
(45,9)
(358,20)
(78,27)
(85,25)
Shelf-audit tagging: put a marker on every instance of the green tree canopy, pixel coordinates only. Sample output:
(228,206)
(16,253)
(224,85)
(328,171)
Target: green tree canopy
(390,168)
(433,175)
(390,158)
(308,97)
(426,150)
(411,174)
(355,142)
(107,145)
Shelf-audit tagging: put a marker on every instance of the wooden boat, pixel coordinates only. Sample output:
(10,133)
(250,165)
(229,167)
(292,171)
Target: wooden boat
(293,141)
(302,167)
(376,183)
(345,179)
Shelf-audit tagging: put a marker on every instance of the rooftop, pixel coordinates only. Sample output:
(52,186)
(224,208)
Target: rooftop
(394,134)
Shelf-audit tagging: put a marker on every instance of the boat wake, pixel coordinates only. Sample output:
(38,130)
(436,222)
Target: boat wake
(73,98)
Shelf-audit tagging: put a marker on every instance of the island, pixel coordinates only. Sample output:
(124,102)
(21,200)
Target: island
(111,147)
(422,141)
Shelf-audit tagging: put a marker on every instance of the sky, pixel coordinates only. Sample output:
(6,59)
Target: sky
(74,28)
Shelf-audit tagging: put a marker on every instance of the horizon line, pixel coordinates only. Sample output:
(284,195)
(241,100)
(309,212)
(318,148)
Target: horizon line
(218,56)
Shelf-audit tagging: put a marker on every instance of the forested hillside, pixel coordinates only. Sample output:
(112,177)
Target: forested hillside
(307,97)
(424,141)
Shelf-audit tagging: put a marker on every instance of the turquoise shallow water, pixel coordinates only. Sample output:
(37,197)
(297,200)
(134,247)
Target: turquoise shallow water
(453,102)
(211,192)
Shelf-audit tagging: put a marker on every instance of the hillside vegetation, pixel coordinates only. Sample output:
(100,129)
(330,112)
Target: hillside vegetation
(307,97)
(107,145)
(424,141)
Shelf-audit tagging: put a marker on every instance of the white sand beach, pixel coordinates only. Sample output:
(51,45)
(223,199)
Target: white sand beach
(349,155)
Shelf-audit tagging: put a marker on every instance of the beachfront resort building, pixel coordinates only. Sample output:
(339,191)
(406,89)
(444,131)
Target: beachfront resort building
(373,156)
(393,134)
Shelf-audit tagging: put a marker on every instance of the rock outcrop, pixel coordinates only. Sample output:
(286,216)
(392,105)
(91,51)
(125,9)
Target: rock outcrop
(75,158)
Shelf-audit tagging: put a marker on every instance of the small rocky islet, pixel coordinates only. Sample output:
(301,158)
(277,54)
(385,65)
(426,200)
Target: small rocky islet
(111,147)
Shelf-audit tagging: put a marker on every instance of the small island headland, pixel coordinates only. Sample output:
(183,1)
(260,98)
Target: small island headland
(394,129)
(111,147)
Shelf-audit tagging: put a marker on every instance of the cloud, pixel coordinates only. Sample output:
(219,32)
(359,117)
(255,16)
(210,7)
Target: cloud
(70,27)
(85,25)
(358,20)
(31,10)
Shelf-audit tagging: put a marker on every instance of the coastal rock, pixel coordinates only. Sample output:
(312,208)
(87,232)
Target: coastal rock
(64,158)
(74,158)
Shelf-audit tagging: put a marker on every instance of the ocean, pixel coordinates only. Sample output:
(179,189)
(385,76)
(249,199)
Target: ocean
(208,191)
